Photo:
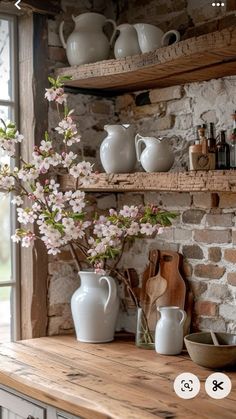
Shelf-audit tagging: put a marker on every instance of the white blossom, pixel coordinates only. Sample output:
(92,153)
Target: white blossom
(17,200)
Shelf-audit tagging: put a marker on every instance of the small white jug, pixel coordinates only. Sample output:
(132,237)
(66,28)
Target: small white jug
(169,333)
(157,155)
(127,41)
(151,37)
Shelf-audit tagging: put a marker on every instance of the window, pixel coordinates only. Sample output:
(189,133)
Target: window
(9,258)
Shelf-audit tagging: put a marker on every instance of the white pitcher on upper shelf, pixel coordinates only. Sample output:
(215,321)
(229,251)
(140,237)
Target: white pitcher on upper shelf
(127,42)
(87,43)
(151,37)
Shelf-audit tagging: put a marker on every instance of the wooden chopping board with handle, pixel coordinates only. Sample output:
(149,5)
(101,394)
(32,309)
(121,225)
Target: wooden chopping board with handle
(176,289)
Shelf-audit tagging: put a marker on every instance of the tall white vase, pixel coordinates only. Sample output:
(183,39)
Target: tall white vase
(169,330)
(95,306)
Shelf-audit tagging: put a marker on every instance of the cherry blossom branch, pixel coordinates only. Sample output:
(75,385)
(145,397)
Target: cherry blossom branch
(74,256)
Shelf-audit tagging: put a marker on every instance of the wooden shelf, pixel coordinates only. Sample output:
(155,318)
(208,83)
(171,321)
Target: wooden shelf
(201,181)
(200,58)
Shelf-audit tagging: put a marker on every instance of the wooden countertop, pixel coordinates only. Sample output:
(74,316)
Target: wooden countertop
(114,380)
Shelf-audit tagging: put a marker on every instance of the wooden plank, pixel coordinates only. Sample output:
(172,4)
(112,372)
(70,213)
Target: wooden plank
(33,67)
(47,7)
(115,380)
(192,181)
(198,58)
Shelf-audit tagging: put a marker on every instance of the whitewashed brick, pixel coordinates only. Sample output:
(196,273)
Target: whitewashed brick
(228,311)
(165,94)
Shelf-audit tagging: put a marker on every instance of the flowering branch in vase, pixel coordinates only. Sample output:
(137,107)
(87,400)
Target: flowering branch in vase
(62,217)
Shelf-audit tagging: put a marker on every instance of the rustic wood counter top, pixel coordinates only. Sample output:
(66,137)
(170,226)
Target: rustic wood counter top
(113,380)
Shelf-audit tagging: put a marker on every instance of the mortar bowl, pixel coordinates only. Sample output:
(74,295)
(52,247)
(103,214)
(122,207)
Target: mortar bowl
(203,352)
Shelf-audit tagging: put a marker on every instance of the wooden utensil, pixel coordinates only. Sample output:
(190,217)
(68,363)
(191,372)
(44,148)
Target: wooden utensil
(149,271)
(189,300)
(214,338)
(176,289)
(155,288)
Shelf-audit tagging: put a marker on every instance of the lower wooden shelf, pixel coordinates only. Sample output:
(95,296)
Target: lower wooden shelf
(194,181)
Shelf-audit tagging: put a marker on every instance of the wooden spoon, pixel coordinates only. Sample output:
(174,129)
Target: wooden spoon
(214,338)
(149,272)
(155,288)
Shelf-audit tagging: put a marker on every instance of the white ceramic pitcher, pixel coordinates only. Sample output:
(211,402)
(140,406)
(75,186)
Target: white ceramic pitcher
(169,330)
(151,37)
(127,42)
(117,151)
(95,306)
(157,155)
(87,43)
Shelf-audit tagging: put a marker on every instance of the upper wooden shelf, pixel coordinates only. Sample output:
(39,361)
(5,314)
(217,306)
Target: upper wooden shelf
(200,58)
(201,181)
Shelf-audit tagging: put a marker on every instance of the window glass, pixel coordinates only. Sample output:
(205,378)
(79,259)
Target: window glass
(8,107)
(5,60)
(5,313)
(5,113)
(5,244)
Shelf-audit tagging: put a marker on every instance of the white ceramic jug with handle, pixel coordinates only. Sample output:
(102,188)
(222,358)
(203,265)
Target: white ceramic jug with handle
(127,42)
(169,333)
(87,43)
(157,155)
(95,306)
(117,151)
(151,37)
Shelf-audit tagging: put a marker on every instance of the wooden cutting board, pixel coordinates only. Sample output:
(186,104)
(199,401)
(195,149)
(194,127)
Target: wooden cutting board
(176,289)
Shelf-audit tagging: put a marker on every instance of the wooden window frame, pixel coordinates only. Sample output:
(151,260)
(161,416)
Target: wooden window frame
(33,118)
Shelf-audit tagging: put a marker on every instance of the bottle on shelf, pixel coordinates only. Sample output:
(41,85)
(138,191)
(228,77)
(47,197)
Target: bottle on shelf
(199,156)
(203,139)
(222,153)
(233,143)
(212,138)
(194,149)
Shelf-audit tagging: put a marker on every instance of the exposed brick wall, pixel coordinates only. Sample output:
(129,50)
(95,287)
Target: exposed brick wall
(205,231)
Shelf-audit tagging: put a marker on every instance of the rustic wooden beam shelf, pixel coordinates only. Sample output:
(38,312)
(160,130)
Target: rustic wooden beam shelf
(200,58)
(202,181)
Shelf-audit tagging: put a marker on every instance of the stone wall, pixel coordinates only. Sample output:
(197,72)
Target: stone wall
(205,230)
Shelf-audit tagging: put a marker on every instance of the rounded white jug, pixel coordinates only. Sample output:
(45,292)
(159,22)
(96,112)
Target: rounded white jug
(157,155)
(95,306)
(169,333)
(127,42)
(87,43)
(117,151)
(151,37)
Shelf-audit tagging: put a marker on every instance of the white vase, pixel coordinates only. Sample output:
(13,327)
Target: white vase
(169,330)
(117,151)
(95,306)
(87,43)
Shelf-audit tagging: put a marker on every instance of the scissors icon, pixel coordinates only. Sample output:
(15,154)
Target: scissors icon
(217,385)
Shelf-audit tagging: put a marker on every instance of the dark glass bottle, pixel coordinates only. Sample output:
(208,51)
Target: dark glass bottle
(233,143)
(211,139)
(222,153)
